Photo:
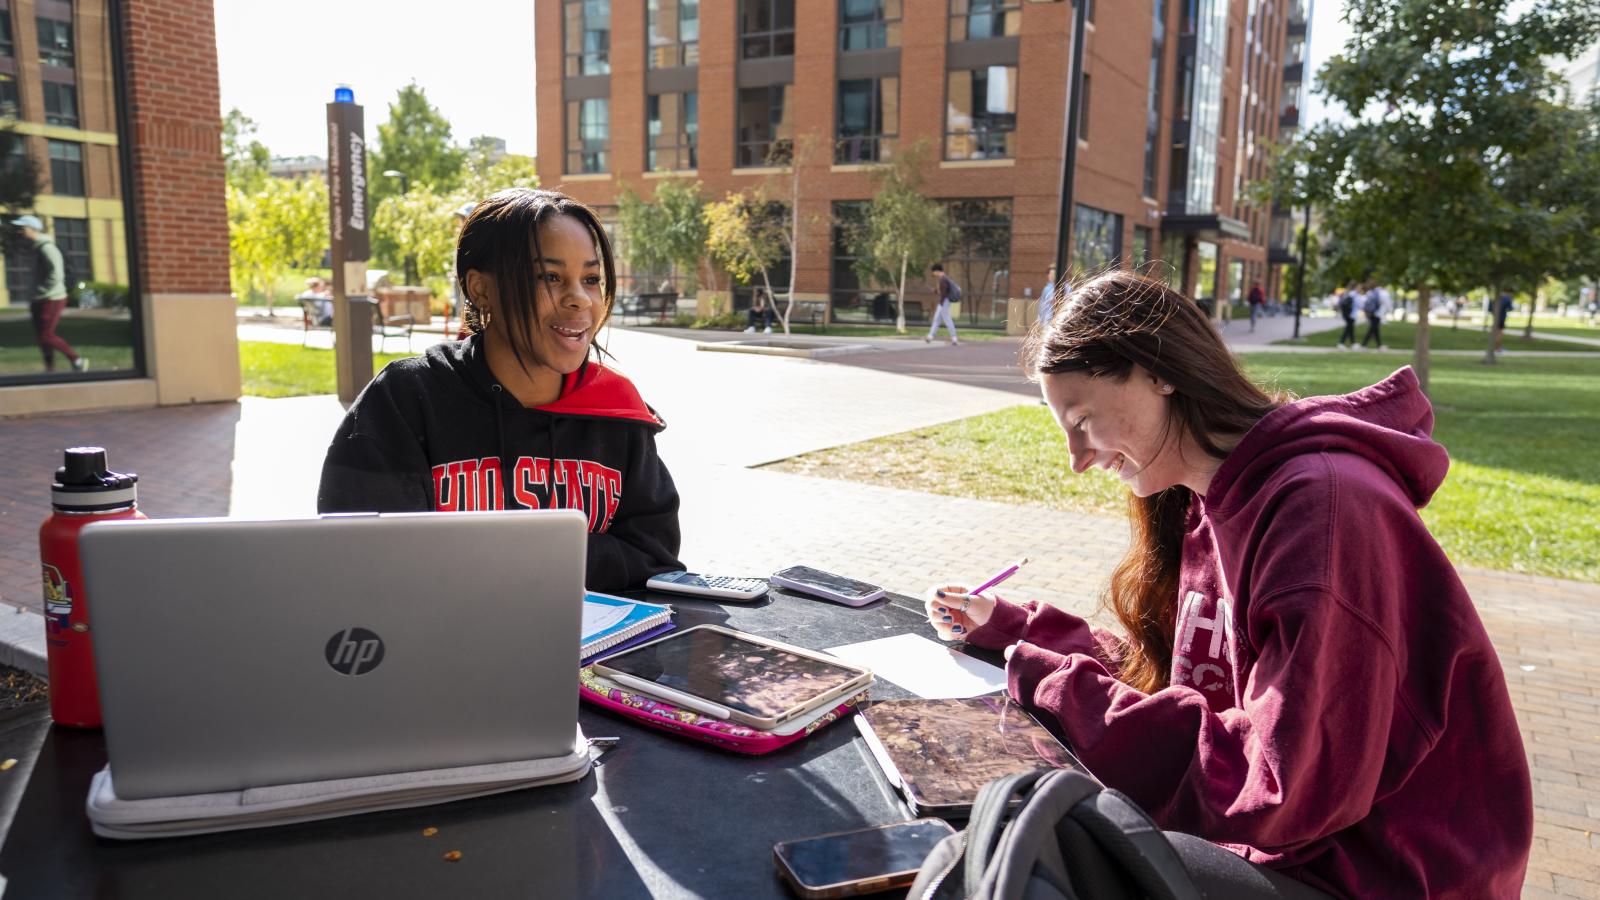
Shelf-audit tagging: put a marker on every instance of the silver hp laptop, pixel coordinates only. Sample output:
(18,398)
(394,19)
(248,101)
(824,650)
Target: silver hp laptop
(236,654)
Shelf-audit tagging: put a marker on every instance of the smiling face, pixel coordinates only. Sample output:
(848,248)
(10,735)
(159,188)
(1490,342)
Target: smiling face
(1123,427)
(569,303)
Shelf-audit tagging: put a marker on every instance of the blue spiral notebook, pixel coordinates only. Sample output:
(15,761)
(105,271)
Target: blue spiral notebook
(612,623)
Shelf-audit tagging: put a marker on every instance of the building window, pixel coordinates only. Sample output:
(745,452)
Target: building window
(980,258)
(587,37)
(869,120)
(1096,239)
(9,106)
(672,130)
(981,113)
(674,33)
(1152,112)
(60,104)
(976,20)
(66,168)
(869,24)
(72,237)
(766,137)
(766,28)
(55,42)
(588,135)
(8,45)
(1083,108)
(1142,239)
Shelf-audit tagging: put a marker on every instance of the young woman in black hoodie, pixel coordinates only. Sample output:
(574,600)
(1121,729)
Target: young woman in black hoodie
(521,414)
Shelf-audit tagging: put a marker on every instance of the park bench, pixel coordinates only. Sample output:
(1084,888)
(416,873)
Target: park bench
(385,327)
(658,305)
(814,311)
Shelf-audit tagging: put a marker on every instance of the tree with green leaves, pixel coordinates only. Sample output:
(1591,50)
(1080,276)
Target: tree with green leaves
(281,227)
(903,231)
(639,243)
(422,221)
(246,159)
(415,141)
(1544,222)
(480,177)
(746,233)
(1438,95)
(668,232)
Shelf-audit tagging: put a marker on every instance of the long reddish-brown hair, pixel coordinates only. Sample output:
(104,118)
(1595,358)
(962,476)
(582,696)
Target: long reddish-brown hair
(1105,327)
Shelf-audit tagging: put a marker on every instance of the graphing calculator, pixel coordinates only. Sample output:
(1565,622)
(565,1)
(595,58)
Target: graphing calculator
(719,587)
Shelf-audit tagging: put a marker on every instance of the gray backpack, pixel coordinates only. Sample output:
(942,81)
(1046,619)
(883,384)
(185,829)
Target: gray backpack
(1069,839)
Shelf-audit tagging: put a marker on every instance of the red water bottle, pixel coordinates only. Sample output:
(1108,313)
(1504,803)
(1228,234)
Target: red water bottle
(83,492)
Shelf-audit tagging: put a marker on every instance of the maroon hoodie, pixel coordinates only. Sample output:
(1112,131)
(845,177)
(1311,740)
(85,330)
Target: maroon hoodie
(1336,710)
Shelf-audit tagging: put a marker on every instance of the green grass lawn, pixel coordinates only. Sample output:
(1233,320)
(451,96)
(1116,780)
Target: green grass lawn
(1568,327)
(1522,493)
(286,370)
(1402,336)
(106,341)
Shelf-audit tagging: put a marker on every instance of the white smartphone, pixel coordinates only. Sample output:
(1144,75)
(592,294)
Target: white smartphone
(827,585)
(720,587)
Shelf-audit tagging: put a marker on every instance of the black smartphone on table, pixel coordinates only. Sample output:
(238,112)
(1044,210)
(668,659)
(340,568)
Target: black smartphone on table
(861,861)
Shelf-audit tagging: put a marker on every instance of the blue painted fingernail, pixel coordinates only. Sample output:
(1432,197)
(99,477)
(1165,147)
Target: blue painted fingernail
(956,628)
(946,619)
(940,593)
(942,609)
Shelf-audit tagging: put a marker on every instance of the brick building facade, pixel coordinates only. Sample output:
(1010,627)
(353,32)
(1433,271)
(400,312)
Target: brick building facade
(163,134)
(1180,101)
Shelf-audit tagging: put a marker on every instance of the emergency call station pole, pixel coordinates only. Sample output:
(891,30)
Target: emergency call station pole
(349,246)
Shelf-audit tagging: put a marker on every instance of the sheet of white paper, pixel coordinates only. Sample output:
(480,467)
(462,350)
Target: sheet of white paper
(925,668)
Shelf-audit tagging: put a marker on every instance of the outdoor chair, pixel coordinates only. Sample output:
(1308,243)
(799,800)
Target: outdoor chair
(393,326)
(311,320)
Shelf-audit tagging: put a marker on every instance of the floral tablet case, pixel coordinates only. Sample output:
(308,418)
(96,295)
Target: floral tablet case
(733,736)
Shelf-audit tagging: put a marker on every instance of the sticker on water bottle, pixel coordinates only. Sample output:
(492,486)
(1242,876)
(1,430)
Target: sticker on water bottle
(57,598)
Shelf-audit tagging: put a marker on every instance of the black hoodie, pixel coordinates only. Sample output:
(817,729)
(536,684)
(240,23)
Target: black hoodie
(434,433)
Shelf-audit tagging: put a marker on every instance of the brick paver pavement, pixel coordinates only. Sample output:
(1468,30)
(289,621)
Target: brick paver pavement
(729,412)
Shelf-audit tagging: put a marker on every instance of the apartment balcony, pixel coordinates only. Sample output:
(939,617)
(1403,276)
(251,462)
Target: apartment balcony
(1289,118)
(1294,72)
(1277,255)
(1297,29)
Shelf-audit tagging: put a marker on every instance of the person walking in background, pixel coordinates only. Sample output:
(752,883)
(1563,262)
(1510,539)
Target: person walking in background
(48,294)
(1502,309)
(1372,304)
(948,293)
(1047,297)
(1257,298)
(1347,311)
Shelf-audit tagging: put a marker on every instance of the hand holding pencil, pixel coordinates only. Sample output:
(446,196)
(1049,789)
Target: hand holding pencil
(955,612)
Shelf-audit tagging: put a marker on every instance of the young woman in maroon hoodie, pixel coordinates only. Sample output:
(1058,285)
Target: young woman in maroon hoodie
(1302,677)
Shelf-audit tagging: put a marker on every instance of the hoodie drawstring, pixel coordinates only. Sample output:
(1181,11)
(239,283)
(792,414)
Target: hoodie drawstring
(500,442)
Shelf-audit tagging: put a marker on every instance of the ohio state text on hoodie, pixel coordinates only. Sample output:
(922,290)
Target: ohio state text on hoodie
(436,432)
(1336,710)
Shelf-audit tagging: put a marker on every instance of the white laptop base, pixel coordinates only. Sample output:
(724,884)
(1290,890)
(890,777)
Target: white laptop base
(193,814)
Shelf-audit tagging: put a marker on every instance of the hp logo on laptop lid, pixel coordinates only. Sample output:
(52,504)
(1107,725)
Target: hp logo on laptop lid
(354,651)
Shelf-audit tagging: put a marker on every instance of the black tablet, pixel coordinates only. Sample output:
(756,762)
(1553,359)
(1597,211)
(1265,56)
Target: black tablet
(731,675)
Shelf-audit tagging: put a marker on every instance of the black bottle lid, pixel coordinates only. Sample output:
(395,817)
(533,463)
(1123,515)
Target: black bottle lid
(83,484)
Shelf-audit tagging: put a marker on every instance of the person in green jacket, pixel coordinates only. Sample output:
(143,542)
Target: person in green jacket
(49,294)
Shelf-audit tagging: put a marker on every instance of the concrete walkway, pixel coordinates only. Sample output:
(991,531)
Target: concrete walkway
(729,412)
